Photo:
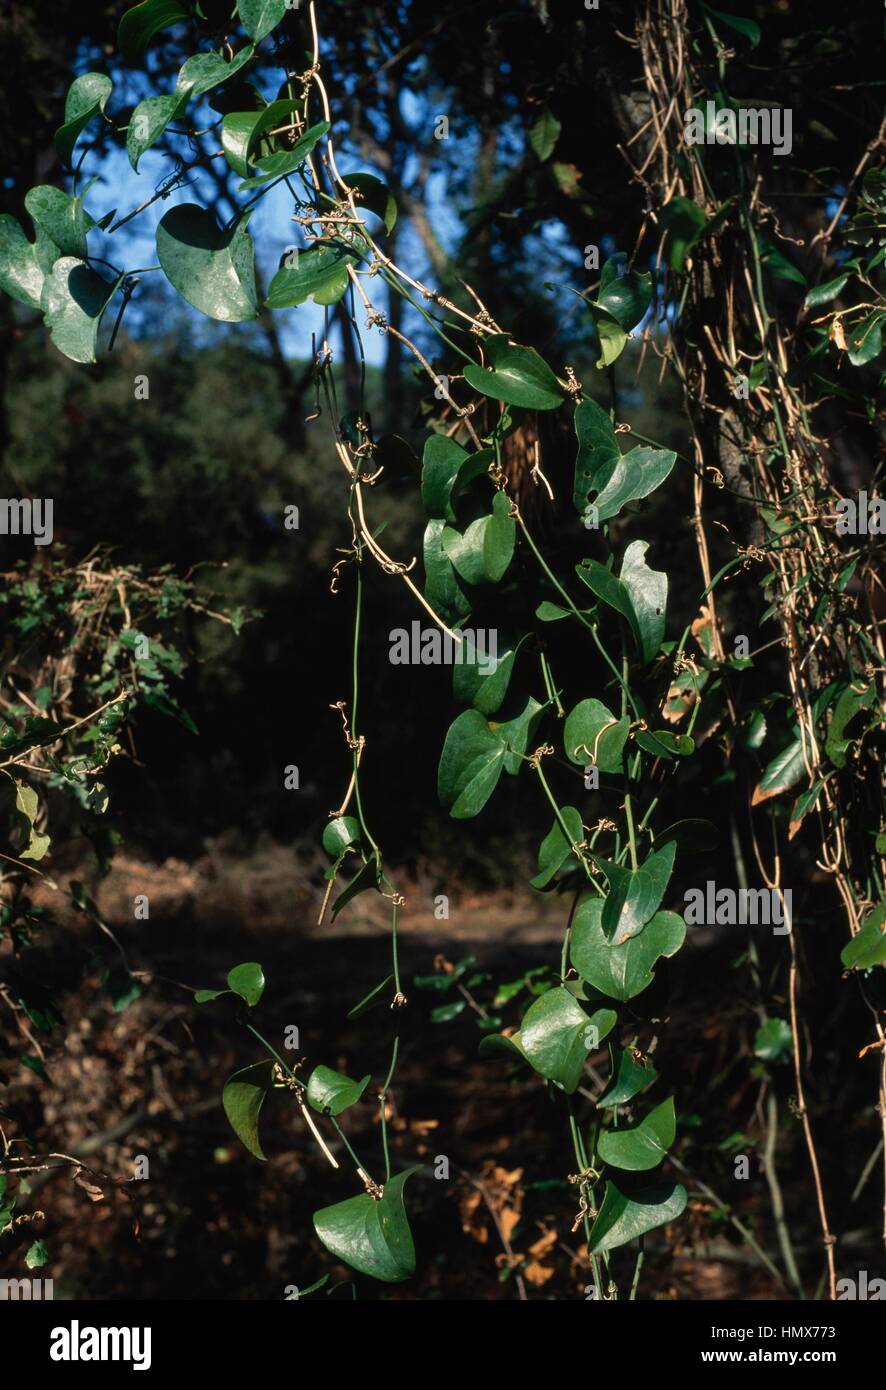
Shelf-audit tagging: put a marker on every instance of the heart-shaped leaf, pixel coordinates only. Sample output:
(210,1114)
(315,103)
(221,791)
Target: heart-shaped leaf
(366,877)
(635,894)
(607,587)
(644,1145)
(211,267)
(475,753)
(635,475)
(626,1215)
(340,834)
(74,299)
(621,972)
(372,1236)
(480,679)
(516,375)
(376,196)
(332,1091)
(87,97)
(483,552)
(556,1036)
(444,590)
(241,131)
(629,1079)
(197,76)
(592,734)
(446,469)
(320,273)
(243,1097)
(259,17)
(247,980)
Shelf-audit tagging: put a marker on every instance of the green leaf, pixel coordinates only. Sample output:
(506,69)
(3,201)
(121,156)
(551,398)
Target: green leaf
(648,593)
(626,1215)
(371,1236)
(555,849)
(73,301)
(139,25)
(621,972)
(28,806)
(340,834)
(850,703)
(475,752)
(664,744)
(778,265)
(748,28)
(544,134)
(484,551)
(626,297)
(612,337)
(332,1091)
(644,1145)
(376,196)
(366,877)
(635,894)
(865,340)
(485,692)
(556,1036)
(37,1255)
(243,1097)
(277,166)
(783,772)
(62,219)
(635,475)
(87,97)
(516,375)
(241,131)
(447,468)
(592,734)
(321,273)
(684,223)
(802,806)
(823,294)
(210,266)
(377,995)
(607,587)
(773,1040)
(23,263)
(248,981)
(259,17)
(551,612)
(443,588)
(598,452)
(868,947)
(629,1079)
(445,1013)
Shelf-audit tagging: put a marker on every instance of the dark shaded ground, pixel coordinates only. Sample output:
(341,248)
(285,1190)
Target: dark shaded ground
(213,1222)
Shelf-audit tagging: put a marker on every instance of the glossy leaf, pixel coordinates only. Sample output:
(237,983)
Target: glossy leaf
(379,994)
(556,1036)
(514,374)
(321,274)
(773,1040)
(748,28)
(629,1079)
(443,589)
(87,97)
(340,834)
(634,1212)
(642,1146)
(592,734)
(850,703)
(248,981)
(446,469)
(62,219)
(614,594)
(544,133)
(783,772)
(636,475)
(648,592)
(825,293)
(241,131)
(24,263)
(555,849)
(598,451)
(366,877)
(621,972)
(371,1236)
(260,16)
(472,681)
(483,552)
(278,165)
(376,196)
(664,744)
(74,299)
(211,267)
(331,1091)
(625,297)
(243,1097)
(868,947)
(471,763)
(139,25)
(635,894)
